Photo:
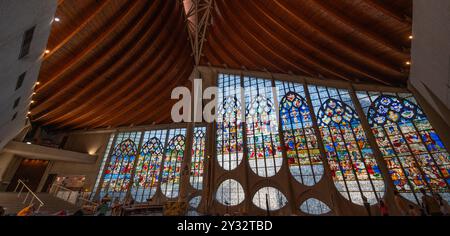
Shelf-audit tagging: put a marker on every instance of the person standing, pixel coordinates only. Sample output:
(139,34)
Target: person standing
(366,205)
(430,204)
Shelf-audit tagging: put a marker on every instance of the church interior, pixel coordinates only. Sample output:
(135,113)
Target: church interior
(225,107)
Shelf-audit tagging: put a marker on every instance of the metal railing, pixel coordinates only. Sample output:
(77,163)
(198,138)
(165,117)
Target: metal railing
(72,196)
(30,192)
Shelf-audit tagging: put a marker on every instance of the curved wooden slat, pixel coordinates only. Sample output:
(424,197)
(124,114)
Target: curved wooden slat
(118,49)
(121,65)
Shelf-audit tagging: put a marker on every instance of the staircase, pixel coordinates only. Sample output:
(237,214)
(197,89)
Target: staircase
(14,204)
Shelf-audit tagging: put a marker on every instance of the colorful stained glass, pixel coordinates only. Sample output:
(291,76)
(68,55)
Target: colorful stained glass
(229,122)
(415,155)
(230,193)
(313,206)
(353,167)
(269,198)
(171,173)
(198,157)
(146,178)
(263,141)
(119,169)
(302,147)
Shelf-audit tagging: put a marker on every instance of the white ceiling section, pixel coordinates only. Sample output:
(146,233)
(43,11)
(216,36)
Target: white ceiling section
(17,16)
(430,71)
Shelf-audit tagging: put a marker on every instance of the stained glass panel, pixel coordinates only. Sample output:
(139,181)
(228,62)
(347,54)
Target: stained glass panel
(229,122)
(198,157)
(269,198)
(171,173)
(313,206)
(263,142)
(415,155)
(118,171)
(146,178)
(230,193)
(353,167)
(300,139)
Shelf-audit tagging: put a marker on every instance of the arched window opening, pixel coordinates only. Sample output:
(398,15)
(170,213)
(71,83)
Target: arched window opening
(229,137)
(146,178)
(302,147)
(118,172)
(170,181)
(230,193)
(415,155)
(353,167)
(193,206)
(198,157)
(269,198)
(263,142)
(314,206)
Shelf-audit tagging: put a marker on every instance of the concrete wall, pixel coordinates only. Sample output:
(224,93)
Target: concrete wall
(17,16)
(94,144)
(430,71)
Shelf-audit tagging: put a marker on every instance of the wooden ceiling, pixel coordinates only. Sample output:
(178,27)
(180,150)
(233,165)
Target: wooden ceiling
(354,40)
(114,63)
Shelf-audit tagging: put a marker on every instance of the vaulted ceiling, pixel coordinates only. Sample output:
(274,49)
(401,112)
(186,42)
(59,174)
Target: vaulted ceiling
(115,62)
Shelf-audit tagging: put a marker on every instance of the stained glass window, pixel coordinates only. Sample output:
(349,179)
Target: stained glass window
(170,181)
(302,147)
(263,142)
(193,206)
(230,193)
(352,163)
(118,171)
(269,198)
(102,166)
(229,122)
(415,155)
(313,206)
(198,157)
(146,178)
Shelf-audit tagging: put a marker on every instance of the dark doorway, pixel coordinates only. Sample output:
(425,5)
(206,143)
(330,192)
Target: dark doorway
(48,183)
(30,172)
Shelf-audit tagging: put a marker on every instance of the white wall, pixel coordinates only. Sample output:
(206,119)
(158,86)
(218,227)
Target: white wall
(431,53)
(16,16)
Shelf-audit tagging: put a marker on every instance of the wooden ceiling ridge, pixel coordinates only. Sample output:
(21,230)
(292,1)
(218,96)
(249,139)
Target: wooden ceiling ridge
(80,27)
(89,48)
(400,17)
(138,48)
(325,54)
(128,38)
(345,44)
(239,30)
(147,100)
(148,84)
(360,28)
(121,86)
